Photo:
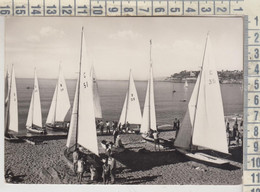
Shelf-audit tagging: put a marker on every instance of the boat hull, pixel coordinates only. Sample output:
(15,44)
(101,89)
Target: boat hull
(57,126)
(38,130)
(162,142)
(11,138)
(205,158)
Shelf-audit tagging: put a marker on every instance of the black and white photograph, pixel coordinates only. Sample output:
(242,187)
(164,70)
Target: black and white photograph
(123,101)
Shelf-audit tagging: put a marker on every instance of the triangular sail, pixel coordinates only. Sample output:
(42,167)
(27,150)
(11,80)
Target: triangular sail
(13,105)
(131,111)
(204,123)
(149,116)
(7,91)
(87,136)
(60,104)
(96,98)
(123,113)
(209,126)
(35,113)
(183,139)
(71,141)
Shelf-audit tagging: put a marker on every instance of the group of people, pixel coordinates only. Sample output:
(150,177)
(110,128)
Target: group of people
(110,127)
(236,134)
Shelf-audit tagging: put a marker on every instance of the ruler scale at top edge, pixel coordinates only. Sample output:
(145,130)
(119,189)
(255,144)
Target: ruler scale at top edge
(249,8)
(120,7)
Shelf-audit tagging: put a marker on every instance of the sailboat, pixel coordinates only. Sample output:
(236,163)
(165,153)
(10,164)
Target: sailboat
(149,116)
(82,132)
(131,112)
(203,125)
(60,105)
(96,98)
(34,119)
(186,84)
(11,106)
(185,91)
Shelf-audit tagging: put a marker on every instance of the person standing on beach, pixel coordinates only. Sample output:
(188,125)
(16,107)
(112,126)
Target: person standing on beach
(156,140)
(80,169)
(112,165)
(93,172)
(115,134)
(175,124)
(75,156)
(108,127)
(101,125)
(105,173)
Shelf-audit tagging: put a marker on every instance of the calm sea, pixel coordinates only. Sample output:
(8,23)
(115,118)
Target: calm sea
(168,105)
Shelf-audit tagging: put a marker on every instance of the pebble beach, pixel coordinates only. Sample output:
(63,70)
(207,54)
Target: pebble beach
(30,163)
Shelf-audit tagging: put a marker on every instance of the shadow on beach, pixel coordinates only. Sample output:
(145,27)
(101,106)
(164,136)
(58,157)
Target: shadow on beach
(145,160)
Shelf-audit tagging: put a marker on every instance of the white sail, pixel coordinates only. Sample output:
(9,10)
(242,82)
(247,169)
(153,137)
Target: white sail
(60,104)
(71,141)
(51,114)
(87,136)
(209,126)
(13,105)
(123,113)
(35,113)
(7,91)
(186,84)
(149,116)
(183,139)
(96,98)
(131,111)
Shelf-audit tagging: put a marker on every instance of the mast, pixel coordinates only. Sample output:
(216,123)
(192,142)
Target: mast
(57,87)
(195,111)
(128,95)
(33,93)
(151,64)
(79,86)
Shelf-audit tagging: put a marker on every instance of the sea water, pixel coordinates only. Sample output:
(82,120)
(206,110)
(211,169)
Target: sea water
(168,104)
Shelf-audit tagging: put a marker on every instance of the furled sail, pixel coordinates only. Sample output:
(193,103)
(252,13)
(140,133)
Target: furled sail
(35,113)
(131,111)
(60,104)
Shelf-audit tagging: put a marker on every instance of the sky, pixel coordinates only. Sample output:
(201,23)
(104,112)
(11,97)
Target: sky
(117,44)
